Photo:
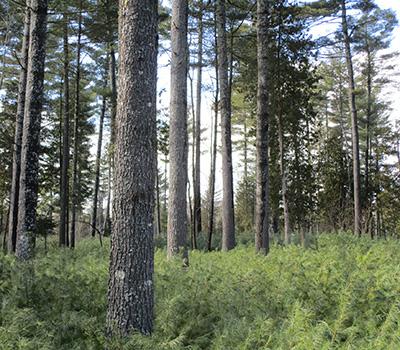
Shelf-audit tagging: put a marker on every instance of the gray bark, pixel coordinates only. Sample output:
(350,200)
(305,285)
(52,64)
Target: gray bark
(177,214)
(16,167)
(197,185)
(130,291)
(64,190)
(228,218)
(354,123)
(26,229)
(262,177)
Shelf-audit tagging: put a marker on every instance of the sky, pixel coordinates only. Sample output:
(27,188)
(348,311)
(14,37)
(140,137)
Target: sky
(392,94)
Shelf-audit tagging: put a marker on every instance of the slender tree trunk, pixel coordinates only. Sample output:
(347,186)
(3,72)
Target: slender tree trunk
(75,183)
(113,112)
(107,219)
(16,167)
(354,123)
(31,132)
(212,172)
(97,166)
(228,218)
(197,185)
(281,138)
(113,80)
(6,230)
(130,293)
(262,191)
(368,136)
(64,190)
(177,210)
(158,200)
(192,217)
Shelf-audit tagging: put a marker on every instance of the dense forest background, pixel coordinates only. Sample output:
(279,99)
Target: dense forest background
(310,131)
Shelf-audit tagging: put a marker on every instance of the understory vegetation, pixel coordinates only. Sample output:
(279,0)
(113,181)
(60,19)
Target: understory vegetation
(341,292)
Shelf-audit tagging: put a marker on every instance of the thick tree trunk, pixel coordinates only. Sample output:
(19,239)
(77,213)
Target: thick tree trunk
(76,132)
(262,192)
(64,190)
(197,185)
(177,211)
(31,132)
(130,293)
(354,123)
(97,166)
(228,217)
(16,167)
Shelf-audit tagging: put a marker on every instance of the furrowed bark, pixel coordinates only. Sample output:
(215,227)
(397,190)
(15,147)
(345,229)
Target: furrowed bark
(228,218)
(19,122)
(177,214)
(130,288)
(31,132)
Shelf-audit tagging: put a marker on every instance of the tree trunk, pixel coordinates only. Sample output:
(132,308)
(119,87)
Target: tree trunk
(192,220)
(76,131)
(113,80)
(197,185)
(31,132)
(368,132)
(262,192)
(158,213)
(16,166)
(97,166)
(130,293)
(228,218)
(281,138)
(107,219)
(214,146)
(354,125)
(64,190)
(177,210)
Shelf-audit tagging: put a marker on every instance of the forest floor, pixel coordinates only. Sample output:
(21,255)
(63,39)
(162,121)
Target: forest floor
(340,293)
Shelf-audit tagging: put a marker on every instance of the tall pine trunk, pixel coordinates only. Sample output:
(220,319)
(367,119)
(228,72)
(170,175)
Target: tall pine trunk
(76,131)
(130,293)
(97,166)
(31,132)
(262,182)
(354,122)
(64,190)
(19,122)
(214,145)
(177,211)
(197,185)
(281,139)
(228,218)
